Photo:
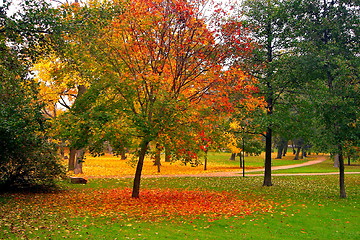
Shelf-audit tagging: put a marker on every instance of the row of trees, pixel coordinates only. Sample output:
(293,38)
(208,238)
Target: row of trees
(186,76)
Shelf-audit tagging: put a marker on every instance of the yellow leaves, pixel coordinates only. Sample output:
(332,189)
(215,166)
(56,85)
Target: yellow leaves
(232,143)
(111,166)
(235,126)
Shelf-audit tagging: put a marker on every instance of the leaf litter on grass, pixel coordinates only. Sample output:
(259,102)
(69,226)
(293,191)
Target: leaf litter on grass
(153,205)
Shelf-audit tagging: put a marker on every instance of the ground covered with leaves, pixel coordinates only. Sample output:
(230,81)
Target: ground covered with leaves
(186,208)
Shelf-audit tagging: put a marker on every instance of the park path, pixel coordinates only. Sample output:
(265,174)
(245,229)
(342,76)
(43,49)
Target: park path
(251,171)
(248,173)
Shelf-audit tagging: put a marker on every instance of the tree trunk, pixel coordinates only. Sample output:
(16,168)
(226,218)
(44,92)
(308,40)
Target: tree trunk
(297,153)
(205,161)
(267,174)
(158,157)
(342,173)
(79,161)
(137,179)
(349,160)
(280,152)
(71,163)
(281,145)
(232,157)
(123,153)
(285,149)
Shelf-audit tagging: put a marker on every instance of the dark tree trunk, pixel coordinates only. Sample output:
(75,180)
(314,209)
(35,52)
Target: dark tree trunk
(285,149)
(281,146)
(303,154)
(71,163)
(293,148)
(241,159)
(349,160)
(267,174)
(205,161)
(297,153)
(137,179)
(342,173)
(232,157)
(280,152)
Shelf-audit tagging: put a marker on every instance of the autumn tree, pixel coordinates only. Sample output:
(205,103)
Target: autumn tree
(152,65)
(62,84)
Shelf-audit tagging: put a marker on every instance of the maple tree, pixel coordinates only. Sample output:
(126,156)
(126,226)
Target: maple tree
(152,66)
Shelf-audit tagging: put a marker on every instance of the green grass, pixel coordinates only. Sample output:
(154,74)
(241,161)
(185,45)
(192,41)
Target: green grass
(308,208)
(323,167)
(251,161)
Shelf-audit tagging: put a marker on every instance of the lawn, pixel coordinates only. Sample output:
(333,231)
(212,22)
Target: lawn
(323,167)
(296,207)
(112,166)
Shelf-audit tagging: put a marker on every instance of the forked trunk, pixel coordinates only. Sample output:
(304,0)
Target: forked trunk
(137,179)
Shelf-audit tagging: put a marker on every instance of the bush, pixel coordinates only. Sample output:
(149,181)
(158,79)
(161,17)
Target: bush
(27,158)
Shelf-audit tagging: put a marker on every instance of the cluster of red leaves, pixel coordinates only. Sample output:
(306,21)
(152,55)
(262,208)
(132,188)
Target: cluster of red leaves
(153,205)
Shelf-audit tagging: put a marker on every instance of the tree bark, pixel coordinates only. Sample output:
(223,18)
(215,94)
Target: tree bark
(71,163)
(205,161)
(280,152)
(79,161)
(157,157)
(341,173)
(285,149)
(137,179)
(232,157)
(281,148)
(267,173)
(123,153)
(297,153)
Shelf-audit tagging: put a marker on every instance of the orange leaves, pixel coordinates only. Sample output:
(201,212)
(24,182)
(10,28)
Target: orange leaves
(154,205)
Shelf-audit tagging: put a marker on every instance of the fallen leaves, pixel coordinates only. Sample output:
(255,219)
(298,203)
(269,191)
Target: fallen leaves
(153,205)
